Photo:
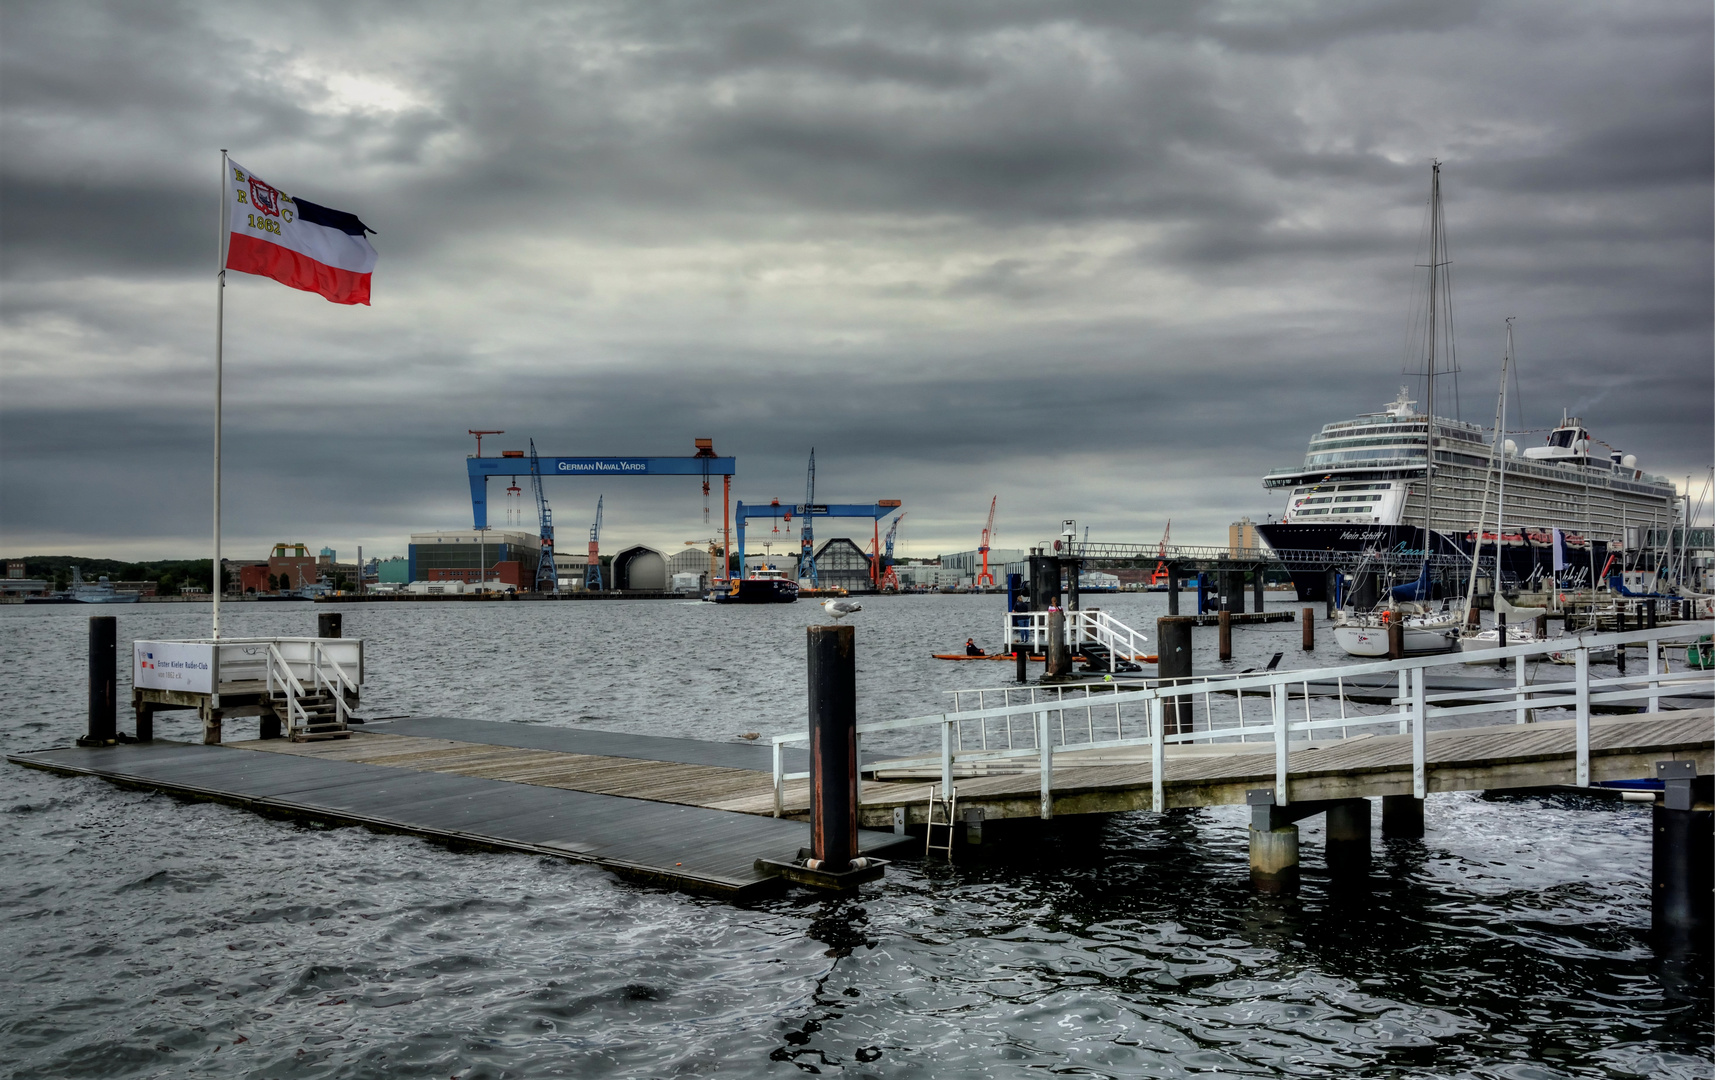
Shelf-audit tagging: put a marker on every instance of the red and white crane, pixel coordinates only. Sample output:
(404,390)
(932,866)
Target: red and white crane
(1161,572)
(985,577)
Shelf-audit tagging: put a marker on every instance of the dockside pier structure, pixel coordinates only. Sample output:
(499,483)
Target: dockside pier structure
(736,818)
(1221,571)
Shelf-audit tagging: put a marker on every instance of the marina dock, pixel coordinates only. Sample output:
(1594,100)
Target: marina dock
(636,807)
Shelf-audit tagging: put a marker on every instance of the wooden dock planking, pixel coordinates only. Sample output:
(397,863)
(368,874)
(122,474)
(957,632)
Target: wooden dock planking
(685,846)
(659,781)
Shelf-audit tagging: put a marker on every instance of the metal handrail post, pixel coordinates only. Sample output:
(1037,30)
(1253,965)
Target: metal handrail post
(1157,758)
(1581,715)
(1519,690)
(1277,698)
(946,755)
(779,780)
(1419,723)
(1046,752)
(1404,695)
(1654,669)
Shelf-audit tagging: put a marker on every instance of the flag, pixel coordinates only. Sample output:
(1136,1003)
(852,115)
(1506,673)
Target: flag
(1559,551)
(296,242)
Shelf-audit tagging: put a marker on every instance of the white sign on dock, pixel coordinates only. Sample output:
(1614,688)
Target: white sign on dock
(174,665)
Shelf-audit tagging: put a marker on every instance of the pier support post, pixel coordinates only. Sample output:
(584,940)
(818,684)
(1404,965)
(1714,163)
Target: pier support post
(1649,614)
(1258,580)
(833,747)
(1232,590)
(1396,640)
(1402,817)
(329,624)
(103,682)
(1348,836)
(1173,665)
(1172,588)
(1501,641)
(145,713)
(1226,642)
(1274,858)
(1307,619)
(1681,870)
(1059,656)
(1021,657)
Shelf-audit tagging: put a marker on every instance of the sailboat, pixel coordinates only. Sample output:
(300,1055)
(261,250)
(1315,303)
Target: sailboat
(1517,633)
(1366,633)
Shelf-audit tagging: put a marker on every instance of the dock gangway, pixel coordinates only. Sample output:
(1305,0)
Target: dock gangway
(1247,713)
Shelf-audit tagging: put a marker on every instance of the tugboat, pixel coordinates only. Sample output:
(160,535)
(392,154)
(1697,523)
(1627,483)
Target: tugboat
(768,586)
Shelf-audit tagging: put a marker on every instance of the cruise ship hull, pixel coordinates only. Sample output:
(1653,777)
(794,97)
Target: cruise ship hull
(1518,562)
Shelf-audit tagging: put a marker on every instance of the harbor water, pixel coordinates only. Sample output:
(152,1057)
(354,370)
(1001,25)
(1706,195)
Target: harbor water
(148,936)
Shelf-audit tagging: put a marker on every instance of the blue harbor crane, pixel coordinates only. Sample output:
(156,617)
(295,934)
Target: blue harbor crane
(547,577)
(592,569)
(807,545)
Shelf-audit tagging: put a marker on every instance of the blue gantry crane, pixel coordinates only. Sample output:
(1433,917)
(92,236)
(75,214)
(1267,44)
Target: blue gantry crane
(592,569)
(547,575)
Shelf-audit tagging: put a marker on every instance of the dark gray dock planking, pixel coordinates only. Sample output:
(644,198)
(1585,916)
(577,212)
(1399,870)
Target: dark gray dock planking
(754,756)
(686,847)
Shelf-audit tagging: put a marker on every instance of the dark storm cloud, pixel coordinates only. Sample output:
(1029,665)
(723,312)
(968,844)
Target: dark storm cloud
(1109,255)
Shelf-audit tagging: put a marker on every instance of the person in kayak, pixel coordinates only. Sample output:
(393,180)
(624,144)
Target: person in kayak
(972,648)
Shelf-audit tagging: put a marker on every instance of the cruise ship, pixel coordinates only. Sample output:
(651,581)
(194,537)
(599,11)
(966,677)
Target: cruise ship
(1370,484)
(1362,486)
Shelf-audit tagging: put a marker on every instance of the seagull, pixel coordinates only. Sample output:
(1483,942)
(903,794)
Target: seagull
(839,609)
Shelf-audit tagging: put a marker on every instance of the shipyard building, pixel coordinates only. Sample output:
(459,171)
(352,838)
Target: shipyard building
(464,555)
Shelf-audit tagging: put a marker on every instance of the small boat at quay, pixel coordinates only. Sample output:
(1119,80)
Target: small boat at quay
(766,586)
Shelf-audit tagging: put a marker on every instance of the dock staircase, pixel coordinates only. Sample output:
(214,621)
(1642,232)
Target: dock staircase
(1105,643)
(317,706)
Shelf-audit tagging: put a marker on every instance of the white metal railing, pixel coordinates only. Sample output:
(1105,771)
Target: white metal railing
(1114,717)
(319,665)
(246,659)
(1121,641)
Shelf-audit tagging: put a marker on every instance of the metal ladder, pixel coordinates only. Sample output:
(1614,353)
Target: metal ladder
(949,806)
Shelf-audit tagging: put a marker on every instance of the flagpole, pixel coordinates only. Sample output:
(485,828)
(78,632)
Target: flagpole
(219,338)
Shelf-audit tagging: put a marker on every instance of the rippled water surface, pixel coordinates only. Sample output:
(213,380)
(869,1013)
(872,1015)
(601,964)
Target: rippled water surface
(149,936)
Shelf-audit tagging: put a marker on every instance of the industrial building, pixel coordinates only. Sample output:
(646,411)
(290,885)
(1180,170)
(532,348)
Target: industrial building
(842,564)
(639,567)
(970,563)
(464,555)
(696,560)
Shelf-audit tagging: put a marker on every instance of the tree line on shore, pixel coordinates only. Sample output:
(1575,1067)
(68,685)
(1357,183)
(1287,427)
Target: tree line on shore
(171,576)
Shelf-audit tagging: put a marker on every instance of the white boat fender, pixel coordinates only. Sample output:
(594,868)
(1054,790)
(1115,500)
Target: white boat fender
(859,863)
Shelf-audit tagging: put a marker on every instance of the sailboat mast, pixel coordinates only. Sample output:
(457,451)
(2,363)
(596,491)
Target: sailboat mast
(1501,452)
(1429,392)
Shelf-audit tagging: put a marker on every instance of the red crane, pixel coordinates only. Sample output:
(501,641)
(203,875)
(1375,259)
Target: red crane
(1161,570)
(985,577)
(479,435)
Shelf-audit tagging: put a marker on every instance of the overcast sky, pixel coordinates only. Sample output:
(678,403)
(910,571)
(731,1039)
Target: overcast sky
(1109,261)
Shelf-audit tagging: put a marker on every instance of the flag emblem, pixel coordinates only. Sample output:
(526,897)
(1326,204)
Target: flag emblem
(264,198)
